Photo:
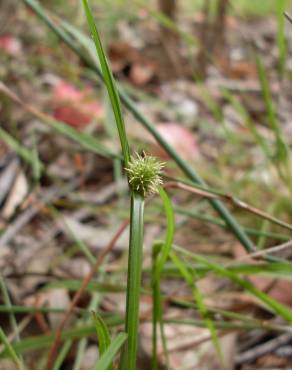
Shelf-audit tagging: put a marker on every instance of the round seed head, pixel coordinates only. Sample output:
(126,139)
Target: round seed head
(144,174)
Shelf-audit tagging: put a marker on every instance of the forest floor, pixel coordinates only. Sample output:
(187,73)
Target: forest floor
(63,194)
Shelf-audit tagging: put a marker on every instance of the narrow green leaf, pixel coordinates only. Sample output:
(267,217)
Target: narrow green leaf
(275,306)
(22,151)
(217,221)
(281,37)
(84,139)
(62,355)
(92,286)
(80,243)
(38,342)
(169,231)
(189,278)
(160,254)
(10,350)
(248,121)
(36,164)
(103,336)
(7,301)
(108,356)
(281,146)
(110,84)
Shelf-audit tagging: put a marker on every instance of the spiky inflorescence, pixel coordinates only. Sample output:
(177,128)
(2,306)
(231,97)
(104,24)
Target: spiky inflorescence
(144,174)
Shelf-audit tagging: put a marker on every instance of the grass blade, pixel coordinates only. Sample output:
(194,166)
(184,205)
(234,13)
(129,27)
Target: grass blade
(7,302)
(38,342)
(62,355)
(108,356)
(159,256)
(23,152)
(110,84)
(281,147)
(169,232)
(217,221)
(10,350)
(276,307)
(85,140)
(189,276)
(103,336)
(281,39)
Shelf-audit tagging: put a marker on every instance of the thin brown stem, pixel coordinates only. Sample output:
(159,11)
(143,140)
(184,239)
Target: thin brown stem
(228,198)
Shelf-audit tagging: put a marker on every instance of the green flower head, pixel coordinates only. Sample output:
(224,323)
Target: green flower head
(144,174)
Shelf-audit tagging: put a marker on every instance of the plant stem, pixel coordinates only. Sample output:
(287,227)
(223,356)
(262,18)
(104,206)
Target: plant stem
(129,353)
(156,303)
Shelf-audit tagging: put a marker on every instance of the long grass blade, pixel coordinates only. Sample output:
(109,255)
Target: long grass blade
(159,256)
(62,355)
(24,153)
(85,140)
(108,356)
(190,276)
(103,336)
(269,302)
(110,84)
(281,146)
(10,350)
(281,37)
(7,302)
(38,342)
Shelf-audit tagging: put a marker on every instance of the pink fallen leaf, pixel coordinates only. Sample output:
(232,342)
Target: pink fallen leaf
(181,138)
(10,45)
(72,116)
(64,91)
(75,107)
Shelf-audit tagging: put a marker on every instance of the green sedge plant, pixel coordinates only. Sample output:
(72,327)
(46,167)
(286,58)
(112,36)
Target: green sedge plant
(144,178)
(78,48)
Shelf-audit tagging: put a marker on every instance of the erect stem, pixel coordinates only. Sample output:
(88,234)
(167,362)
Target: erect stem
(129,353)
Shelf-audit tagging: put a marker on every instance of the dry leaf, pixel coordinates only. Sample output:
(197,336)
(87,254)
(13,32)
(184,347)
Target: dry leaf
(75,107)
(10,45)
(181,138)
(128,60)
(142,73)
(17,194)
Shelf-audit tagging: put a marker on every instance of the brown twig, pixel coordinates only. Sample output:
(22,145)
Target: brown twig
(262,253)
(228,198)
(27,107)
(39,316)
(31,211)
(262,349)
(288,17)
(78,294)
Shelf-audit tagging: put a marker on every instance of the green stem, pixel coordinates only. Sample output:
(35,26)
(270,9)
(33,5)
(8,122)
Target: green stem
(129,353)
(156,303)
(157,317)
